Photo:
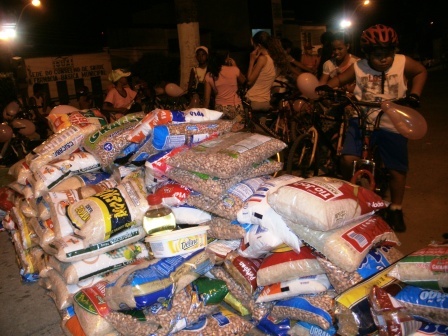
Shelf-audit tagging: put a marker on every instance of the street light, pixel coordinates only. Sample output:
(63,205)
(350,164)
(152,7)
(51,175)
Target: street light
(9,30)
(347,22)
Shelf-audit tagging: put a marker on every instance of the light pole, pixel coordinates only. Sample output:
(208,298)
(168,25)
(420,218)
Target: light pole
(35,3)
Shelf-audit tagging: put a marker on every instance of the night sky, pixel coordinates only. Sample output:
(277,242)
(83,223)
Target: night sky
(77,26)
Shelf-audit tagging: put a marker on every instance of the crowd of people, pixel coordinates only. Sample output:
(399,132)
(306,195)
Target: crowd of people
(216,81)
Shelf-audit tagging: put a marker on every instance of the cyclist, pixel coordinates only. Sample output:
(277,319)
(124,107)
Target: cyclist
(382,75)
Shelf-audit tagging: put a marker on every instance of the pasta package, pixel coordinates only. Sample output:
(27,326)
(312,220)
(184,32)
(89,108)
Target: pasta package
(99,217)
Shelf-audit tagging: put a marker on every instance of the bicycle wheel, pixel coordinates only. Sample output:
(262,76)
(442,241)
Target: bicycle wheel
(300,159)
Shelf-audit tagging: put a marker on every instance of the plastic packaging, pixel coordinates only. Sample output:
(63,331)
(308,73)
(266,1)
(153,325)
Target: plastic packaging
(158,218)
(178,242)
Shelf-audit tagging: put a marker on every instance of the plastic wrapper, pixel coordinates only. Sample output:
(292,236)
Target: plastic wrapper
(7,196)
(69,322)
(71,248)
(157,281)
(314,309)
(426,304)
(99,217)
(59,145)
(353,308)
(176,135)
(61,121)
(376,260)
(243,270)
(231,202)
(347,246)
(313,284)
(20,171)
(222,228)
(256,210)
(426,268)
(258,241)
(107,143)
(228,154)
(106,262)
(53,173)
(324,203)
(288,265)
(215,187)
(271,326)
(219,248)
(82,180)
(389,315)
(305,329)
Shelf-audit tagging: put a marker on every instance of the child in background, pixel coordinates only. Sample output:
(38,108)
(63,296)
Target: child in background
(382,75)
(196,83)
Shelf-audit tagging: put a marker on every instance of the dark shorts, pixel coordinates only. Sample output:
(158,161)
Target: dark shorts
(393,147)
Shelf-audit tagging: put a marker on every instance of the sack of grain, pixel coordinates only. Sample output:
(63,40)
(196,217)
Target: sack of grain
(347,246)
(228,154)
(323,203)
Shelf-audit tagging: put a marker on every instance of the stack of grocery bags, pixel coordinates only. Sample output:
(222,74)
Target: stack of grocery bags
(283,255)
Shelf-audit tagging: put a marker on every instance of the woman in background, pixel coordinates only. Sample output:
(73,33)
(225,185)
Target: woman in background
(222,79)
(267,61)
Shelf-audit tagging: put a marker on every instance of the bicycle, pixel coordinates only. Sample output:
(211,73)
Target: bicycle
(278,121)
(317,150)
(368,171)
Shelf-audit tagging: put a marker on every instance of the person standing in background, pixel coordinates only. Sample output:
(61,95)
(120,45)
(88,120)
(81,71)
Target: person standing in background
(326,51)
(340,61)
(85,99)
(222,78)
(196,82)
(310,60)
(267,61)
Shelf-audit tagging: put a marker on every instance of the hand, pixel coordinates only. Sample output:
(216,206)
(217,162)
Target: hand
(323,89)
(413,100)
(255,53)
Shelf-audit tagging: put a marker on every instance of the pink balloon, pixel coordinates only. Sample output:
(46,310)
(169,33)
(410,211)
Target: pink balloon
(173,90)
(298,105)
(406,120)
(63,109)
(307,83)
(5,132)
(26,126)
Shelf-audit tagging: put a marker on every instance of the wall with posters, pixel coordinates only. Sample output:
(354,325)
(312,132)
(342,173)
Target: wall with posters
(62,76)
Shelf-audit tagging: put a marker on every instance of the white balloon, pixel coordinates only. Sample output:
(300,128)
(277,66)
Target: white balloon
(63,109)
(307,83)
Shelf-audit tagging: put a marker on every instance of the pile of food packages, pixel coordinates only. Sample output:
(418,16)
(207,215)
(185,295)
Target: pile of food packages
(273,254)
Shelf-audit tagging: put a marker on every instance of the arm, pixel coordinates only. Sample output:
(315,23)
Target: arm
(256,63)
(191,80)
(348,76)
(207,94)
(417,74)
(324,79)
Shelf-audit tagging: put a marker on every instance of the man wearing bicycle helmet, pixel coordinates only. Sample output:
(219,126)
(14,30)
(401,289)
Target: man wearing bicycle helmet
(382,75)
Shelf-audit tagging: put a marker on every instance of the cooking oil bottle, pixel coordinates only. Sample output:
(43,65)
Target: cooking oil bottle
(158,218)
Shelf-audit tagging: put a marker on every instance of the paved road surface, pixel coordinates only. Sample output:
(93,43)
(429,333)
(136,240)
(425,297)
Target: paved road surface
(25,309)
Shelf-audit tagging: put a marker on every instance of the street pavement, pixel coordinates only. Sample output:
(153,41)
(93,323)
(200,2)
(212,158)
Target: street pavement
(26,309)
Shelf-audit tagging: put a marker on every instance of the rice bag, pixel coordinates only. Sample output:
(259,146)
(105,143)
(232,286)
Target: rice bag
(99,217)
(71,248)
(287,265)
(324,203)
(347,246)
(426,268)
(243,270)
(59,145)
(105,262)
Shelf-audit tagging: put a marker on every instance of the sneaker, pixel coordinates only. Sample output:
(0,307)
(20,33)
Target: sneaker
(394,218)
